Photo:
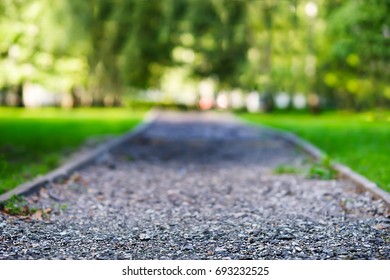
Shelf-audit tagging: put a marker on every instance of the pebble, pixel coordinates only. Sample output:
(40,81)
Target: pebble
(189,247)
(219,250)
(298,249)
(144,236)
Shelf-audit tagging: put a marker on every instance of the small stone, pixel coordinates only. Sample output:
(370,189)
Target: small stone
(187,236)
(264,254)
(144,236)
(379,241)
(341,251)
(298,249)
(284,237)
(189,247)
(220,250)
(240,215)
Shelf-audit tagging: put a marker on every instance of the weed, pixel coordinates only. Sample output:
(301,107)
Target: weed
(17,205)
(129,158)
(63,207)
(322,170)
(286,169)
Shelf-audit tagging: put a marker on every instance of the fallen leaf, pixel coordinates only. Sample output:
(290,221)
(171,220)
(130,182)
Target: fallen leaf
(75,178)
(381,226)
(37,215)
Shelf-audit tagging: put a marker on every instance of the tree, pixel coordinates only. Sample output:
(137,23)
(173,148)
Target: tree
(358,65)
(106,47)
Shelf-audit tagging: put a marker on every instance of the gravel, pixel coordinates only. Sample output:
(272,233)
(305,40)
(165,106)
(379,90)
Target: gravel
(198,186)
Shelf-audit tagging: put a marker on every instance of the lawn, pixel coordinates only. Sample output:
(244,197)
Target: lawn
(33,141)
(358,140)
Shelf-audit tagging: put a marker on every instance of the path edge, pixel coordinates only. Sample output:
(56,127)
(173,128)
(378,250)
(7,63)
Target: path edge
(80,161)
(361,182)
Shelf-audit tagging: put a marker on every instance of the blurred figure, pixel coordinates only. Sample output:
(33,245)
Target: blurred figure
(205,103)
(253,102)
(222,101)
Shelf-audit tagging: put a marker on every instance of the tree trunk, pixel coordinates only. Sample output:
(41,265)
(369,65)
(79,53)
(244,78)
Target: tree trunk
(19,95)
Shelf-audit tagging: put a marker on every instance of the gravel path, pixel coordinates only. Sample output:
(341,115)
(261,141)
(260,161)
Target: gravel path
(198,186)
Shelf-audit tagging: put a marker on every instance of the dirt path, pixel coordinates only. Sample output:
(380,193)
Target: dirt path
(199,186)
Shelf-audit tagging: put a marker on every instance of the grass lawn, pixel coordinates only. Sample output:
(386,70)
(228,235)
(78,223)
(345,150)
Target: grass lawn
(358,140)
(33,141)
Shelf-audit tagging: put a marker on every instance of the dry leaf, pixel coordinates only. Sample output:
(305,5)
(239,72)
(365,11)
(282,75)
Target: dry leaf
(381,226)
(37,215)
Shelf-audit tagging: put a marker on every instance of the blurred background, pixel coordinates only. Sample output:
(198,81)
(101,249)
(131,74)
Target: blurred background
(319,68)
(239,54)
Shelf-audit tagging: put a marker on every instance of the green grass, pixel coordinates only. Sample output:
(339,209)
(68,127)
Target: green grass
(286,169)
(33,141)
(359,140)
(17,205)
(322,170)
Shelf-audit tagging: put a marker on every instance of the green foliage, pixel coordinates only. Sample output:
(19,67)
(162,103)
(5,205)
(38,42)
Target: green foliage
(322,170)
(17,205)
(129,158)
(360,141)
(358,36)
(33,142)
(286,169)
(104,46)
(317,170)
(63,207)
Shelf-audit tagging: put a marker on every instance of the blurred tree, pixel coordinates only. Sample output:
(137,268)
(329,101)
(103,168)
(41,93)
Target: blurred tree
(358,64)
(128,42)
(148,44)
(107,46)
(17,31)
(35,49)
(219,30)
